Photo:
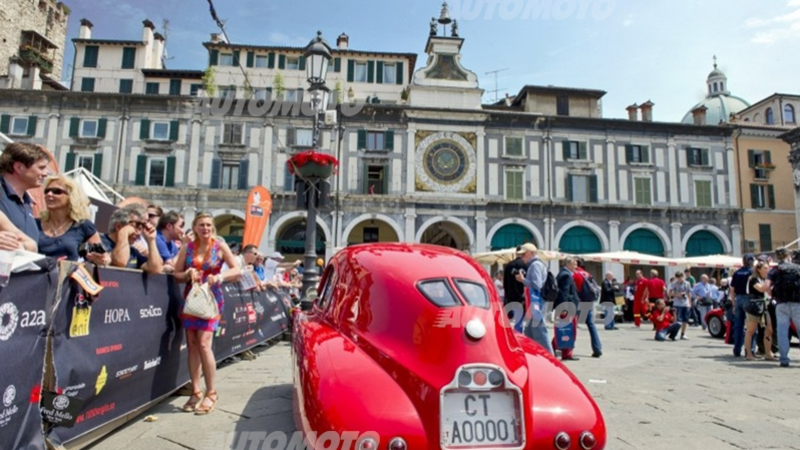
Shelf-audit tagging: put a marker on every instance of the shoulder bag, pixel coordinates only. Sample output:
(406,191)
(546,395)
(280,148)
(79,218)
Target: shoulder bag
(200,302)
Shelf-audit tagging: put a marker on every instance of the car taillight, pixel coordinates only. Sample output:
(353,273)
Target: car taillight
(587,440)
(397,443)
(367,443)
(479,378)
(464,378)
(562,441)
(495,378)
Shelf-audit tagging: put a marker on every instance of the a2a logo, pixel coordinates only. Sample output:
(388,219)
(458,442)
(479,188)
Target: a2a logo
(34,318)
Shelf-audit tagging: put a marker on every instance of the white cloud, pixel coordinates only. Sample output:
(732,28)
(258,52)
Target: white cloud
(629,20)
(782,27)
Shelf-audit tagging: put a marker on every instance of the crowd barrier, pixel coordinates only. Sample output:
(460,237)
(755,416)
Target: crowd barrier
(102,359)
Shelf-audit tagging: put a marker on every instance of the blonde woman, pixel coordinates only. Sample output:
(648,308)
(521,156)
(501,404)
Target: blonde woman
(200,261)
(757,287)
(64,225)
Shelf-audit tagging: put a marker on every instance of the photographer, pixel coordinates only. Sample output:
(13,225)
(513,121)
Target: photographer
(680,293)
(65,231)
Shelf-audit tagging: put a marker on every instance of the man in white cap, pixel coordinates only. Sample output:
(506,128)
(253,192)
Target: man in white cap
(533,279)
(271,265)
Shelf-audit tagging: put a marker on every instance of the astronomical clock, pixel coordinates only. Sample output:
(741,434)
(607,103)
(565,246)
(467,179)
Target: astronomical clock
(445,162)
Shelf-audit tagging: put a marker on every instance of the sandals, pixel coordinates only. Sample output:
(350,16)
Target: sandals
(202,410)
(194,399)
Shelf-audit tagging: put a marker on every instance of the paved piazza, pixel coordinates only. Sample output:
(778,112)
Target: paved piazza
(654,395)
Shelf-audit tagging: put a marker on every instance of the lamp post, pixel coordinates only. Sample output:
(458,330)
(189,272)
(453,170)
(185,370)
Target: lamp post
(318,56)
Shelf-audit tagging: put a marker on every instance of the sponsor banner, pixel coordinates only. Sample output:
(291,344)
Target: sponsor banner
(25,314)
(118,352)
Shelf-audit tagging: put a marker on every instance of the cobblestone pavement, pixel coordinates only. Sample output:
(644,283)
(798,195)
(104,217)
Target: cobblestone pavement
(654,395)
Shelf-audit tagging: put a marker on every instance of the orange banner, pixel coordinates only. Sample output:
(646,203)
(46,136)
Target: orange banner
(259,206)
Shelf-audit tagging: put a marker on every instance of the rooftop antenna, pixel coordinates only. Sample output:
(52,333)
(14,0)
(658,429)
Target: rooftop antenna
(496,89)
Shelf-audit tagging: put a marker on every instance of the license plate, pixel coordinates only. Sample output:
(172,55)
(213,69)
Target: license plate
(481,418)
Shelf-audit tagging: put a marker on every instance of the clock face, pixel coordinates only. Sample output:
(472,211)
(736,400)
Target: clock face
(445,162)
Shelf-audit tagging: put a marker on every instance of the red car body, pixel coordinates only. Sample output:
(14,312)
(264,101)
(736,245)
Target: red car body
(376,354)
(716,324)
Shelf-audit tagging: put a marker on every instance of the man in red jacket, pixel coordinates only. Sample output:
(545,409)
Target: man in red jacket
(640,297)
(656,289)
(664,322)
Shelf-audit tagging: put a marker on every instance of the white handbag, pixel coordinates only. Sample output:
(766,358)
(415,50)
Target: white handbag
(200,302)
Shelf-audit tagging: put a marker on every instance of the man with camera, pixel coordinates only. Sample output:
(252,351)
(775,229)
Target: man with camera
(514,291)
(784,282)
(125,226)
(534,278)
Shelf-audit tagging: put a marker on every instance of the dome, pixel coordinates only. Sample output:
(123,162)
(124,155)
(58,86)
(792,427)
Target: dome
(719,102)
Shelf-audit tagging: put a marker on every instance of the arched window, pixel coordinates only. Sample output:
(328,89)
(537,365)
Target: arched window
(788,114)
(770,117)
(715,87)
(757,118)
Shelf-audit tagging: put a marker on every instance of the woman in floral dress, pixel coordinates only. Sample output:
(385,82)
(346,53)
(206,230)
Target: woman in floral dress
(200,261)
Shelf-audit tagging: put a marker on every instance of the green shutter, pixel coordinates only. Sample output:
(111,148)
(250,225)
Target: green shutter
(751,158)
(128,57)
(351,70)
(385,180)
(362,139)
(97,165)
(144,129)
(32,126)
(705,157)
(771,190)
(271,60)
(337,65)
(379,77)
(689,162)
(399,77)
(767,156)
(5,123)
(90,55)
(389,140)
(582,154)
(593,188)
(70,164)
(370,71)
(569,188)
(173,130)
(141,169)
(281,61)
(213,58)
(170,181)
(74,126)
(565,150)
(301,63)
(174,87)
(216,168)
(290,136)
(236,58)
(754,196)
(251,59)
(101,128)
(244,169)
(628,153)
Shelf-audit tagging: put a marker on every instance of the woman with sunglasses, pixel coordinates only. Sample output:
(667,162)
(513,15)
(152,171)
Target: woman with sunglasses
(64,225)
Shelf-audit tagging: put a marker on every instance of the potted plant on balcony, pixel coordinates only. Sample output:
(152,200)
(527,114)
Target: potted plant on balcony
(765,166)
(311,164)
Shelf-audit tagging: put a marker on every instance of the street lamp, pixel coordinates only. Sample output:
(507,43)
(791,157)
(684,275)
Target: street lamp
(318,57)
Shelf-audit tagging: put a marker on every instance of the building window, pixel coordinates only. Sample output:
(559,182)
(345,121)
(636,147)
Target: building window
(125,86)
(88,129)
(788,114)
(765,236)
(292,63)
(562,105)
(87,85)
(264,94)
(262,61)
(702,191)
(371,234)
(642,193)
(226,59)
(390,73)
(513,147)
(160,131)
(293,95)
(86,162)
(174,87)
(194,89)
(303,137)
(230,176)
(375,140)
(575,150)
(376,180)
(156,171)
(762,196)
(128,57)
(698,157)
(90,56)
(582,188)
(770,117)
(19,126)
(360,75)
(515,184)
(232,133)
(228,92)
(761,162)
(151,88)
(637,154)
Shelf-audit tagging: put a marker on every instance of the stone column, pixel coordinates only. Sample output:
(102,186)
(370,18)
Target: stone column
(480,233)
(736,239)
(411,176)
(733,183)
(677,246)
(481,169)
(411,228)
(613,236)
(611,164)
(672,164)
(194,153)
(338,217)
(267,156)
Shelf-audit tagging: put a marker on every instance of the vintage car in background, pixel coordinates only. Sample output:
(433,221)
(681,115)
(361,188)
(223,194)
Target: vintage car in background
(716,324)
(407,347)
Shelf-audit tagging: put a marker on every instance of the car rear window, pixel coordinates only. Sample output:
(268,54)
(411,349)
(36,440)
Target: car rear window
(474,293)
(438,292)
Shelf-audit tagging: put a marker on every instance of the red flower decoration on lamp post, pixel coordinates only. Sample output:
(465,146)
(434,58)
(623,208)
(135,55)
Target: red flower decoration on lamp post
(311,164)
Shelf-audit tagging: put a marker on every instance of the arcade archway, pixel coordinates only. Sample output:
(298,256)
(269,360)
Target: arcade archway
(292,239)
(373,230)
(446,234)
(230,228)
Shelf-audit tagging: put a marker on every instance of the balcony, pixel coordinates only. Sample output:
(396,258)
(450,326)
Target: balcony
(32,56)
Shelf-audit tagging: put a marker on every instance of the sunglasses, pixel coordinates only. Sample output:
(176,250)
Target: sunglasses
(151,215)
(136,224)
(55,191)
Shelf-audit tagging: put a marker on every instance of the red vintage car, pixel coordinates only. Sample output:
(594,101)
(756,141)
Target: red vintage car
(407,347)
(716,324)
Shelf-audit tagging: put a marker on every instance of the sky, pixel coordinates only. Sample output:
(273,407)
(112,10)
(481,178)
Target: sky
(657,50)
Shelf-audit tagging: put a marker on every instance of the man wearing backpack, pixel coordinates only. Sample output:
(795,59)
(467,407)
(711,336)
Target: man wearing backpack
(534,279)
(785,285)
(589,293)
(514,291)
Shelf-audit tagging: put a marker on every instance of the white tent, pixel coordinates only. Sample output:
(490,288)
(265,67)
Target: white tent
(715,261)
(505,256)
(628,257)
(94,187)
